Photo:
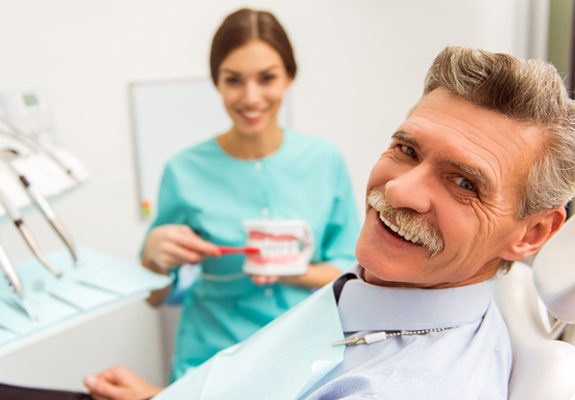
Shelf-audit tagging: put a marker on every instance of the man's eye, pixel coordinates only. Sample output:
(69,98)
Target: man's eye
(408,151)
(465,183)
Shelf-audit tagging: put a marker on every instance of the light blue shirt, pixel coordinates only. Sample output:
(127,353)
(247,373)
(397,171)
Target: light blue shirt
(470,359)
(293,357)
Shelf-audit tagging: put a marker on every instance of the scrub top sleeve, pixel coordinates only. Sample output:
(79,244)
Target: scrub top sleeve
(169,199)
(167,214)
(338,246)
(166,209)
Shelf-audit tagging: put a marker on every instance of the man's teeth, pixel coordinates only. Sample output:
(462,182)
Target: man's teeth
(409,237)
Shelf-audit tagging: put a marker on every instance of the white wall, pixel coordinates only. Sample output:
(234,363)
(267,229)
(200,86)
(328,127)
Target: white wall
(361,67)
(362,64)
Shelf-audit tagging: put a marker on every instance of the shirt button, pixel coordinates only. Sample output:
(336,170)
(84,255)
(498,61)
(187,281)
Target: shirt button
(265,212)
(258,165)
(268,292)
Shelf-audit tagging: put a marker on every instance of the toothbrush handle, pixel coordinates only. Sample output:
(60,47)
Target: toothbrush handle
(238,250)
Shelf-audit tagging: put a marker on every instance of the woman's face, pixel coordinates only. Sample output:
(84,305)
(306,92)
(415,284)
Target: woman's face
(252,80)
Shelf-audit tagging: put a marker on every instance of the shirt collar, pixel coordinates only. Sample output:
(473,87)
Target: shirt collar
(366,307)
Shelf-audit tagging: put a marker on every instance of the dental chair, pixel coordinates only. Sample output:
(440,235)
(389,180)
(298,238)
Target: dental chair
(538,303)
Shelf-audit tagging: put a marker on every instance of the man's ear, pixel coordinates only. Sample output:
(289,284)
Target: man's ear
(539,228)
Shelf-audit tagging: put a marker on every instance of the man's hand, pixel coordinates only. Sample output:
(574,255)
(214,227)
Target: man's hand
(119,383)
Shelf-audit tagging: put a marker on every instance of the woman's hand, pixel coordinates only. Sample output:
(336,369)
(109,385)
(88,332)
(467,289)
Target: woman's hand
(168,246)
(262,280)
(119,383)
(317,275)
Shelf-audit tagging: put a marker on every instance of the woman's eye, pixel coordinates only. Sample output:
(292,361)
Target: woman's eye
(266,78)
(232,81)
(465,184)
(408,151)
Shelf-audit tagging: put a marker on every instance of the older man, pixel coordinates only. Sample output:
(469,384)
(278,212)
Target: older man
(475,178)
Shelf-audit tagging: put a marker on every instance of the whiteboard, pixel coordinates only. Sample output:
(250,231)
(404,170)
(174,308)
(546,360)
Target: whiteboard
(169,116)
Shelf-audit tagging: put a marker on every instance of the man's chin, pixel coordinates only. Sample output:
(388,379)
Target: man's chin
(398,282)
(378,281)
(373,279)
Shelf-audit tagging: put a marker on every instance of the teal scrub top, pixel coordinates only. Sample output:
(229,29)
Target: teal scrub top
(213,193)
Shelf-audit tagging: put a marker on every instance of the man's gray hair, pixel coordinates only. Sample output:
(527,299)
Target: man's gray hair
(529,91)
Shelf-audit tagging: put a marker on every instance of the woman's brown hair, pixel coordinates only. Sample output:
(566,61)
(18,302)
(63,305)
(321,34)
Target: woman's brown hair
(244,25)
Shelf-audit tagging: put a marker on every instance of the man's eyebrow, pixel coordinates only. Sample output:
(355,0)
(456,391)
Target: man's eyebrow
(406,137)
(476,173)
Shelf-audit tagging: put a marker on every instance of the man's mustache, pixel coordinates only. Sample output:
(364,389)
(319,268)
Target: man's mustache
(410,223)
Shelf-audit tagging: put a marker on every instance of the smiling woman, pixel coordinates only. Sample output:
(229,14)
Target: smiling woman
(254,170)
(252,94)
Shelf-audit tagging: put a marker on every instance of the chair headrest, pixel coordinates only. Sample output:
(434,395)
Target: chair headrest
(554,273)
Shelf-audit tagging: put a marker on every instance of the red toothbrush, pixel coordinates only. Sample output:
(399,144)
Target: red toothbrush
(239,250)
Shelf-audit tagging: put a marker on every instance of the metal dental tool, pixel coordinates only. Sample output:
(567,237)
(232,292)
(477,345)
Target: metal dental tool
(7,155)
(32,142)
(17,220)
(15,284)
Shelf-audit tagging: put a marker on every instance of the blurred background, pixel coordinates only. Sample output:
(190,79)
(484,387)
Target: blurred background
(361,67)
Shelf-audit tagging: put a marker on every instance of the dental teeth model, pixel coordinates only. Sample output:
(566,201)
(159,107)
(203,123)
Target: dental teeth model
(285,247)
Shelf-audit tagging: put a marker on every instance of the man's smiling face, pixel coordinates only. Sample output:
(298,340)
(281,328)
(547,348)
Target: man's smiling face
(443,198)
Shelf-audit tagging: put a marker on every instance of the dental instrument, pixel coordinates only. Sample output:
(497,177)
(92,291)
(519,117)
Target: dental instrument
(239,250)
(18,222)
(15,284)
(32,142)
(6,155)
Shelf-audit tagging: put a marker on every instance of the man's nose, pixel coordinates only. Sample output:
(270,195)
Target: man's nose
(411,189)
